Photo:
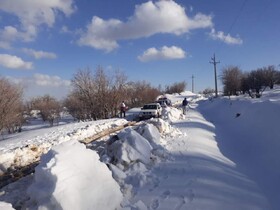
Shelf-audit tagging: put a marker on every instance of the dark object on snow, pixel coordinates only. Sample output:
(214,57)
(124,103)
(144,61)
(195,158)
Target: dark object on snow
(185,102)
(237,115)
(164,102)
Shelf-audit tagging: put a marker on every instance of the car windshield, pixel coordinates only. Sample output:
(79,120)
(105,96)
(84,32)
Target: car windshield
(150,106)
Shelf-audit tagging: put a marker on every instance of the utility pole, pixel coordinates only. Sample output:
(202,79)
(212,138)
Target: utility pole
(214,62)
(192,83)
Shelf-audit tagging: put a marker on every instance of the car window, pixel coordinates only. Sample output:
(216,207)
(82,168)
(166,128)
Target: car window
(150,107)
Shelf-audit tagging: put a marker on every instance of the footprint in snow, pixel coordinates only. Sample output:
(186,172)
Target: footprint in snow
(165,176)
(155,185)
(189,196)
(165,194)
(189,183)
(154,204)
(185,199)
(180,203)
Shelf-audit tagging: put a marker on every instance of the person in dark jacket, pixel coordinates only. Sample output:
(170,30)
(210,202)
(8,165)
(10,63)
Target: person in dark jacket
(184,105)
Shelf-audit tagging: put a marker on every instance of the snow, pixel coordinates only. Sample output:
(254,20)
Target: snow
(251,140)
(62,175)
(223,154)
(6,206)
(130,147)
(24,148)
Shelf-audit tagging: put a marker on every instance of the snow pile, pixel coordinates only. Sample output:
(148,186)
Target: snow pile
(165,128)
(68,170)
(272,95)
(26,153)
(187,93)
(130,157)
(177,98)
(6,206)
(171,114)
(22,156)
(130,147)
(72,177)
(90,130)
(151,133)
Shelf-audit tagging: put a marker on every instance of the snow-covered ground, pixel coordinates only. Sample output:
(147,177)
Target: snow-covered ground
(224,154)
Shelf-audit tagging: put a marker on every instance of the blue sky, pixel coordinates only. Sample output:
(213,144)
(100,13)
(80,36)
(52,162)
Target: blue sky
(44,43)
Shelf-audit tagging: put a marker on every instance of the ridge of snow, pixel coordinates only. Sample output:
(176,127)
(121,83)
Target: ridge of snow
(66,181)
(25,151)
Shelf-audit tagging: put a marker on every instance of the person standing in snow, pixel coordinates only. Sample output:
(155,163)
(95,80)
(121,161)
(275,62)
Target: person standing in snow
(123,109)
(185,104)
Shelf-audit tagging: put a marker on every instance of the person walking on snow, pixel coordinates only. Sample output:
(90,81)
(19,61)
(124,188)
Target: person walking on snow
(123,109)
(185,104)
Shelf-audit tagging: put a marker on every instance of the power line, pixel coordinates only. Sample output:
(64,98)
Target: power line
(192,83)
(237,16)
(234,21)
(214,62)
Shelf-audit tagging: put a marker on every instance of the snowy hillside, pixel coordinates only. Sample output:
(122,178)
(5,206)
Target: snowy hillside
(223,154)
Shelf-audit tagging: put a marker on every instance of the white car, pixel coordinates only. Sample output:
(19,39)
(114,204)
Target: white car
(150,110)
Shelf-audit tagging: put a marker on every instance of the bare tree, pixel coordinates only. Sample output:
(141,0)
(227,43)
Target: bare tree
(141,93)
(257,82)
(208,92)
(119,92)
(84,90)
(245,83)
(11,112)
(270,76)
(49,108)
(102,96)
(96,95)
(76,107)
(177,87)
(231,79)
(277,78)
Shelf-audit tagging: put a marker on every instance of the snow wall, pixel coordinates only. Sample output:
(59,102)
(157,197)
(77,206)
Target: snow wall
(249,130)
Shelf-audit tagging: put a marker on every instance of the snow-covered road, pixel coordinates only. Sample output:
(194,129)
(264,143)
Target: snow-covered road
(198,176)
(209,159)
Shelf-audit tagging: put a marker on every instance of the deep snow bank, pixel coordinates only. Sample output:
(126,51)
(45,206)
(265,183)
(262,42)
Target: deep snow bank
(27,150)
(72,177)
(171,114)
(132,156)
(247,131)
(70,173)
(177,98)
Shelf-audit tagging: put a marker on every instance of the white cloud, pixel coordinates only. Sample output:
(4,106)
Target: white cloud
(42,80)
(219,35)
(39,54)
(31,14)
(41,84)
(164,53)
(65,30)
(9,33)
(148,19)
(14,62)
(50,81)
(5,45)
